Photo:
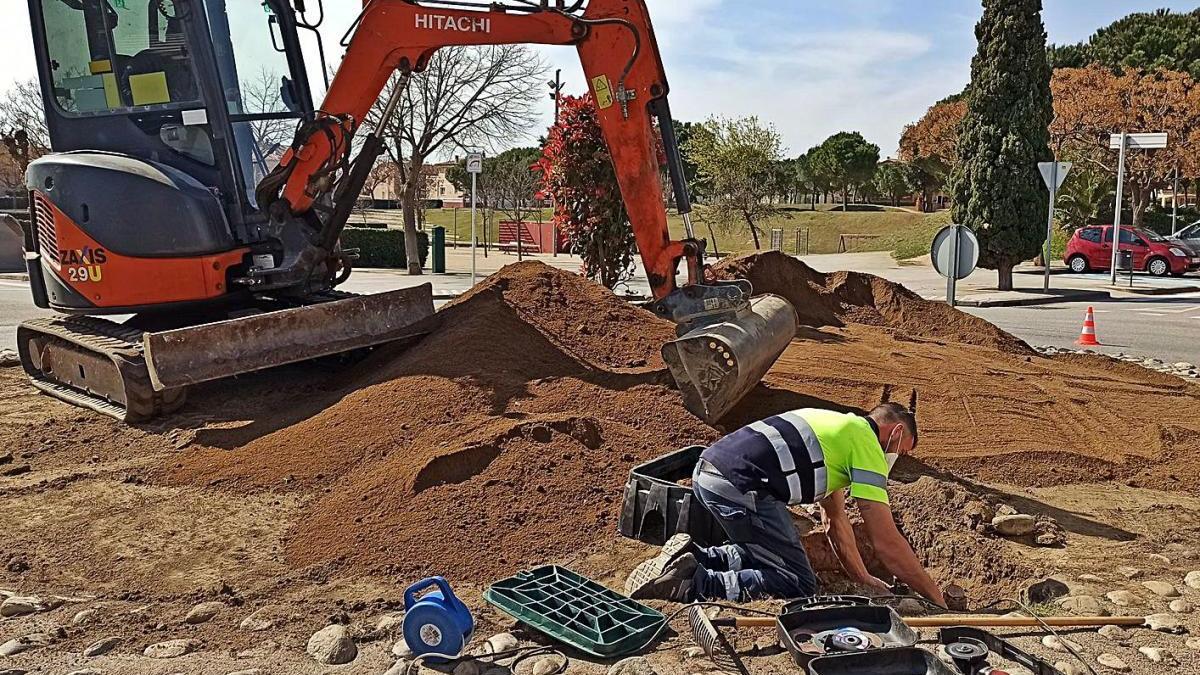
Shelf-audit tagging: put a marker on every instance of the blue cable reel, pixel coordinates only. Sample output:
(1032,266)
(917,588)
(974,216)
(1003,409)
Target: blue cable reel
(437,625)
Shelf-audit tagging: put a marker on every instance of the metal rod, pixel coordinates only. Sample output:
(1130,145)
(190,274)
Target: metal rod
(1050,224)
(392,102)
(687,226)
(952,278)
(1116,232)
(1175,205)
(473,237)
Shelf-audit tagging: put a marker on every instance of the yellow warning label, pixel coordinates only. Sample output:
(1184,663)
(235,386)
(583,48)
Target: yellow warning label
(604,97)
(149,88)
(101,66)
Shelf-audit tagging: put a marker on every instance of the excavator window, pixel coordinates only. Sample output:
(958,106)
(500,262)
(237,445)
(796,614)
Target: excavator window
(109,56)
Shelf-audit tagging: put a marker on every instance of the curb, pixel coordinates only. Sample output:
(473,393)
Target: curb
(1155,290)
(1079,296)
(14,276)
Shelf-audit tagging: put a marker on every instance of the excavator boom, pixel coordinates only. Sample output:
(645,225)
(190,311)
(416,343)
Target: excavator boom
(727,342)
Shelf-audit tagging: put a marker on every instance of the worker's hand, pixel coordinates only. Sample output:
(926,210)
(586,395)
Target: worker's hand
(877,584)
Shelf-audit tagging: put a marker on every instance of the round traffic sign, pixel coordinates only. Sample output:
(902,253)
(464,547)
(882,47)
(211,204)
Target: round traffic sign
(955,241)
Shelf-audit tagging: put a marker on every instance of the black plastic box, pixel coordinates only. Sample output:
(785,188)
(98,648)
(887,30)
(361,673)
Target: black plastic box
(797,629)
(656,506)
(900,661)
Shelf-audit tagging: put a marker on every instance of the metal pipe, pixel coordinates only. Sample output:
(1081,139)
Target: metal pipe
(1116,231)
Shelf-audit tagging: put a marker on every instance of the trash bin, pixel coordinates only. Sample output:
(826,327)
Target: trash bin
(1125,261)
(439,250)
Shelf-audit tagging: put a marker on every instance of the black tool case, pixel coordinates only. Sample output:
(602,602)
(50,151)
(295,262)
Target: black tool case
(798,629)
(899,661)
(656,506)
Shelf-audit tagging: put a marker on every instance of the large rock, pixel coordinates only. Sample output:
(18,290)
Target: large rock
(1121,598)
(634,665)
(170,649)
(332,645)
(102,646)
(1016,525)
(1114,633)
(1161,588)
(1157,655)
(1083,605)
(500,643)
(1114,662)
(24,643)
(1193,580)
(547,665)
(20,605)
(204,611)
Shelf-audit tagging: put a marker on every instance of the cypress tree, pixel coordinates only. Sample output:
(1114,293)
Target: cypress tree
(996,187)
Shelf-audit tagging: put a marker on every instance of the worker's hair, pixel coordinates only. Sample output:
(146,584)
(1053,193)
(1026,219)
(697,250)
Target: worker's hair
(894,413)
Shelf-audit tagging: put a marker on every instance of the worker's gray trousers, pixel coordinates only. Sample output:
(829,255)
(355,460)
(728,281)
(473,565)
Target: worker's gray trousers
(764,557)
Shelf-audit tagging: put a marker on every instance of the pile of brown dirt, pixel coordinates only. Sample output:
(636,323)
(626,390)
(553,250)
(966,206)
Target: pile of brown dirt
(500,441)
(841,298)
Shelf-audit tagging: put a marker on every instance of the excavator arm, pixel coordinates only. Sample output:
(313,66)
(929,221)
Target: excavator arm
(728,340)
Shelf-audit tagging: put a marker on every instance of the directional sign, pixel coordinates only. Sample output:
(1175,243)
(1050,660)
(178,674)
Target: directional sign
(1142,141)
(1054,179)
(475,162)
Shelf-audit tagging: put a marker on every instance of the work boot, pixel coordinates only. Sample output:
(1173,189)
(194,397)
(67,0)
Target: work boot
(677,582)
(655,567)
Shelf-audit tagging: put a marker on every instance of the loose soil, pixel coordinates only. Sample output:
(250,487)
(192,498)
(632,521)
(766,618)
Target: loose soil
(503,439)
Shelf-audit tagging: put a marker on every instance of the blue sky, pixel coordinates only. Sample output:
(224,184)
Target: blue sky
(810,67)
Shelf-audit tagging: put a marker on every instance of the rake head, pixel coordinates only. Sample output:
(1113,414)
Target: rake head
(714,644)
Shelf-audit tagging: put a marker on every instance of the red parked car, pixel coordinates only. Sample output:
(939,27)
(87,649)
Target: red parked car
(1090,248)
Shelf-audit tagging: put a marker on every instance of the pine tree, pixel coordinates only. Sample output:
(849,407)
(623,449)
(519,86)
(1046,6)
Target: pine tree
(996,187)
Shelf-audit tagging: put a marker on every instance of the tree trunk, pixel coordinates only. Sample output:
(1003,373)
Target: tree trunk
(409,208)
(1141,200)
(753,233)
(1005,274)
(711,233)
(845,198)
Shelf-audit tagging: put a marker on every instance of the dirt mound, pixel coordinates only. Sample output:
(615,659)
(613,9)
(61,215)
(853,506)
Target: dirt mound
(841,298)
(500,441)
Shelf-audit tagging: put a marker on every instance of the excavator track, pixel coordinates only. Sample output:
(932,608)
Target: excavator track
(93,363)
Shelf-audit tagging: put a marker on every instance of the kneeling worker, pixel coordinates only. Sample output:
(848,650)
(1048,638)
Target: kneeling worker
(747,480)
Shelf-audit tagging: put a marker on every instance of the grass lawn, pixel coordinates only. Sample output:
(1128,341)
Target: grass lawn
(894,229)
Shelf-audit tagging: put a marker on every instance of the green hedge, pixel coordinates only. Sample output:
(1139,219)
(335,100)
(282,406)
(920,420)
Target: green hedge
(382,248)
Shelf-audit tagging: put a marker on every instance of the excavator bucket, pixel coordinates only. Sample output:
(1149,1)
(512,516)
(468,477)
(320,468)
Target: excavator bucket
(177,358)
(717,364)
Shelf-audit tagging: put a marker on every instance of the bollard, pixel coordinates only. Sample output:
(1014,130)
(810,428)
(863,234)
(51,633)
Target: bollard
(439,250)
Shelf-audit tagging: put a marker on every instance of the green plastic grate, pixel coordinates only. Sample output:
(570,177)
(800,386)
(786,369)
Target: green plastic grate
(576,610)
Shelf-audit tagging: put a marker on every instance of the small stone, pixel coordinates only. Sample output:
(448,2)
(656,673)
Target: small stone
(1044,591)
(1159,558)
(1016,525)
(83,616)
(693,653)
(910,607)
(634,665)
(1083,605)
(1070,668)
(1114,633)
(1113,661)
(549,665)
(1060,644)
(1166,623)
(1184,365)
(500,643)
(401,649)
(389,623)
(1161,588)
(20,605)
(1181,606)
(85,671)
(261,619)
(332,645)
(1193,643)
(1121,598)
(203,612)
(1091,578)
(102,646)
(9,358)
(248,671)
(1005,510)
(1048,539)
(468,667)
(170,649)
(1193,580)
(1157,655)
(399,668)
(1129,572)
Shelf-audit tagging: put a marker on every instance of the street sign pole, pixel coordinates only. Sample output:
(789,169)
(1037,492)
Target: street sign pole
(474,167)
(1053,173)
(1175,205)
(952,279)
(1116,231)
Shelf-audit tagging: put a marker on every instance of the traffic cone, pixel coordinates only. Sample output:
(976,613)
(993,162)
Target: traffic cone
(1088,337)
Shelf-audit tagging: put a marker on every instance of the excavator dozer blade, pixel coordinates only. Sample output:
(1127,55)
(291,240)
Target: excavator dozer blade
(177,358)
(718,364)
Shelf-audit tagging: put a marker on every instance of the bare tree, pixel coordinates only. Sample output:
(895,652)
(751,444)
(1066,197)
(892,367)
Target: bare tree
(262,94)
(466,98)
(23,133)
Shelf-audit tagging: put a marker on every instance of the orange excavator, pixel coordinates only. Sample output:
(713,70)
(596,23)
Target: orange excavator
(166,199)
